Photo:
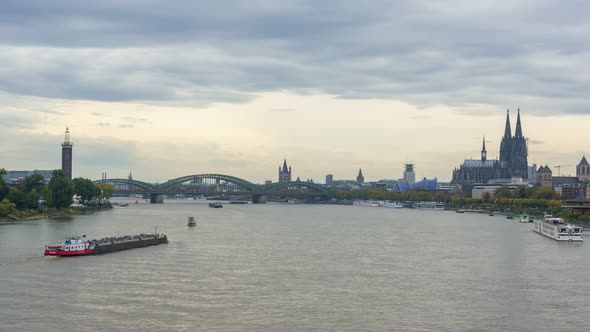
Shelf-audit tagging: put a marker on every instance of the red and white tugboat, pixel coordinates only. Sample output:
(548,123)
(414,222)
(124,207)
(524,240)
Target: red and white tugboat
(71,247)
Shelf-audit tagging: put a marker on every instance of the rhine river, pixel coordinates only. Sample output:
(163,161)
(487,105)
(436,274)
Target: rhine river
(281,267)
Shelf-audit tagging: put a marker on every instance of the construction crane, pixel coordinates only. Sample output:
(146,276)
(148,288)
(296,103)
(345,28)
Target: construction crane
(559,168)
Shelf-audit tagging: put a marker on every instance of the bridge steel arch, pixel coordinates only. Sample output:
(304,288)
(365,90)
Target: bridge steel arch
(132,185)
(284,187)
(241,184)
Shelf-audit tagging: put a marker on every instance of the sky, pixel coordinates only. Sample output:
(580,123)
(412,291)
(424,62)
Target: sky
(171,88)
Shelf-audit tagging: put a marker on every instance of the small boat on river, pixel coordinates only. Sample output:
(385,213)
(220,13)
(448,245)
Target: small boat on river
(524,218)
(393,205)
(191,222)
(215,205)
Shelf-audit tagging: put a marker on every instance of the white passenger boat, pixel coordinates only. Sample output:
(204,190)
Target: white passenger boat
(394,205)
(558,230)
(524,218)
(429,205)
(365,203)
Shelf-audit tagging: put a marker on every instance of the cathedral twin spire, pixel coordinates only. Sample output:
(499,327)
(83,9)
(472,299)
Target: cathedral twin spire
(508,131)
(518,132)
(484,153)
(513,150)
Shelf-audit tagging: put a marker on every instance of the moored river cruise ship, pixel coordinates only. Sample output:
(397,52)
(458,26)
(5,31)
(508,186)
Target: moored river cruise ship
(429,205)
(556,229)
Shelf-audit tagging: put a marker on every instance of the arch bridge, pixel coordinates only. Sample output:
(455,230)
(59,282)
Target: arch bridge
(216,184)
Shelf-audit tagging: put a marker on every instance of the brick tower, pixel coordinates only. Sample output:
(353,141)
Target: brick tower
(66,155)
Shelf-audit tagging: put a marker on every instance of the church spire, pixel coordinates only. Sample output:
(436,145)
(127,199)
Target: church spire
(360,178)
(483,151)
(518,132)
(507,131)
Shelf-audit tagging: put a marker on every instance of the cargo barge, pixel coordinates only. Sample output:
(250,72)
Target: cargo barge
(77,246)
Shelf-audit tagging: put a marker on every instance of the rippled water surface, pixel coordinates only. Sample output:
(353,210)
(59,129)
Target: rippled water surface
(279,267)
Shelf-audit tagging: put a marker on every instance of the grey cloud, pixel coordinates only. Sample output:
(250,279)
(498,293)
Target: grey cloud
(535,142)
(14,120)
(527,54)
(135,119)
(91,156)
(282,110)
(47,111)
(104,124)
(126,125)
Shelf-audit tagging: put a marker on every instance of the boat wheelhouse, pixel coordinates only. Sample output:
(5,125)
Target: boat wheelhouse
(71,247)
(556,229)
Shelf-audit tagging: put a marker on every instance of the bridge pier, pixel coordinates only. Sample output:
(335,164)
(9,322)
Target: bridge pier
(259,199)
(156,198)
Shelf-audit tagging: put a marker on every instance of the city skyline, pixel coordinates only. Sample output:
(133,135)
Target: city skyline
(193,89)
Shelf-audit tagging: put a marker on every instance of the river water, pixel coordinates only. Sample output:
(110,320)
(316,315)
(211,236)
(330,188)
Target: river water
(281,267)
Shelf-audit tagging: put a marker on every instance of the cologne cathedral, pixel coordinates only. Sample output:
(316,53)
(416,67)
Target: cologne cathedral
(513,160)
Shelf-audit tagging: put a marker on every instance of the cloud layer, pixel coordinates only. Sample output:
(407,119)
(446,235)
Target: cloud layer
(460,53)
(235,86)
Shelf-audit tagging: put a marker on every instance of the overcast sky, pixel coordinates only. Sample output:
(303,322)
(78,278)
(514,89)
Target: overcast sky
(171,88)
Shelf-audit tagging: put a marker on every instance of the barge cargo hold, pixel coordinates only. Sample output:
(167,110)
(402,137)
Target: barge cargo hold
(82,246)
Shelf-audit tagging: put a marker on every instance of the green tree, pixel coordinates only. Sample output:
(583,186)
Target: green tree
(32,200)
(107,190)
(17,197)
(503,192)
(60,190)
(544,193)
(486,196)
(7,207)
(441,197)
(85,188)
(3,186)
(34,182)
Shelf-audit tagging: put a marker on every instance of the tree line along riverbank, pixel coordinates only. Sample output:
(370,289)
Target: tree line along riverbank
(33,199)
(532,201)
